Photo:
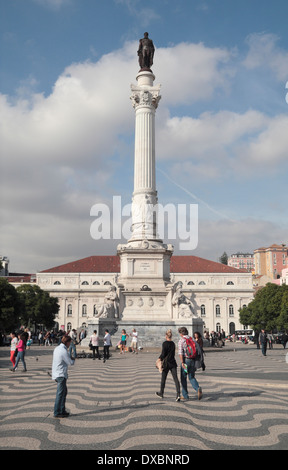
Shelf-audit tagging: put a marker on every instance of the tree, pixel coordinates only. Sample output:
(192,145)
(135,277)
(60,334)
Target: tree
(224,258)
(9,305)
(269,308)
(282,322)
(37,307)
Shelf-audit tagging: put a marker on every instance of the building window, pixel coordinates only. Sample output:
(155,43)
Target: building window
(57,283)
(85,283)
(190,283)
(218,310)
(96,283)
(107,283)
(69,310)
(69,326)
(230,283)
(218,327)
(84,310)
(231,311)
(203,311)
(95,311)
(202,283)
(231,328)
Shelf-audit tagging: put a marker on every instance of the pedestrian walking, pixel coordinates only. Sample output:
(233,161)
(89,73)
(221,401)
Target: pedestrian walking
(169,363)
(263,341)
(13,347)
(21,353)
(189,352)
(198,338)
(94,340)
(107,344)
(60,364)
(270,340)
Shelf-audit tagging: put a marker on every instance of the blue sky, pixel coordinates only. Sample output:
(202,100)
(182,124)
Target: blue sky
(67,124)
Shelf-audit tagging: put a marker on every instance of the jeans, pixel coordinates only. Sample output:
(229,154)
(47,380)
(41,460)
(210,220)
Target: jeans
(59,406)
(191,375)
(175,378)
(72,350)
(264,348)
(20,356)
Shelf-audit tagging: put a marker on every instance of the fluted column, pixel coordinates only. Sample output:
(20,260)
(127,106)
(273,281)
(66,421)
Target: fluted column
(145,98)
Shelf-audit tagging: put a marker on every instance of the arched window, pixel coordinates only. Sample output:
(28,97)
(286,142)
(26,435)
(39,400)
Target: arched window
(96,283)
(231,328)
(203,311)
(107,283)
(69,310)
(202,283)
(231,311)
(57,283)
(218,327)
(69,326)
(85,283)
(230,283)
(95,311)
(218,313)
(84,310)
(190,283)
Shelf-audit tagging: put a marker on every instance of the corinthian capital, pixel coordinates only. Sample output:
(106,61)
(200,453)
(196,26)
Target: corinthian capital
(144,97)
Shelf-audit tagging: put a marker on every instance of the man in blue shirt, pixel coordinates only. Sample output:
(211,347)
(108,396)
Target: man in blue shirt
(61,361)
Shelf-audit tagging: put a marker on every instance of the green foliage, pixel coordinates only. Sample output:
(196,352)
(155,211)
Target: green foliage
(27,305)
(8,306)
(224,258)
(37,307)
(269,308)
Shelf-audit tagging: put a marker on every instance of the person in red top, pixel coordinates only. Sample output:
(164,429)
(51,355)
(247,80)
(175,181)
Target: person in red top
(21,352)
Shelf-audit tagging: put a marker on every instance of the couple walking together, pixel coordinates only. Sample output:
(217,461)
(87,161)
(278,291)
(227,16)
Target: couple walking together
(189,360)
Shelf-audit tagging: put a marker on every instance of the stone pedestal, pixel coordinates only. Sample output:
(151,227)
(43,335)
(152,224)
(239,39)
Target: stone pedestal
(151,333)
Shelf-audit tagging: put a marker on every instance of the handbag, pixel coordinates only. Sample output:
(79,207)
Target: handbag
(159,365)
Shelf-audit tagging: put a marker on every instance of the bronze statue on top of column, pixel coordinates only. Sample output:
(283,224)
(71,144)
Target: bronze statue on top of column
(146,52)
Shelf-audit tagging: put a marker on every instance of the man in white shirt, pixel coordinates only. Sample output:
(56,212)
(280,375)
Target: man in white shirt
(107,344)
(134,340)
(61,361)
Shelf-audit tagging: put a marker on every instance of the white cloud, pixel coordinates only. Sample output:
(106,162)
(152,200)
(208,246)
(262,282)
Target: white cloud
(264,52)
(64,152)
(192,72)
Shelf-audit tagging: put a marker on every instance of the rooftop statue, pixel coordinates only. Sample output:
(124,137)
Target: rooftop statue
(146,52)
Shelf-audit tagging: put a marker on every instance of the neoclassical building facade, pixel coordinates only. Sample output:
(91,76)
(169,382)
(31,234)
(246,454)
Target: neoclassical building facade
(215,291)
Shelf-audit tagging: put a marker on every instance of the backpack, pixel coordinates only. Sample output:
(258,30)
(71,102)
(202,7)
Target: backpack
(191,352)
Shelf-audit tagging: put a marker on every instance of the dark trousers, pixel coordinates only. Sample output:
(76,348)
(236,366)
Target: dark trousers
(175,378)
(106,352)
(95,348)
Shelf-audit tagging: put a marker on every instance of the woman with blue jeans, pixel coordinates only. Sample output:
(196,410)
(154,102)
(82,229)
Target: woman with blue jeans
(188,368)
(21,353)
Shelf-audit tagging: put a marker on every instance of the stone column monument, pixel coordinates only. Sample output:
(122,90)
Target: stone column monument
(148,301)
(145,259)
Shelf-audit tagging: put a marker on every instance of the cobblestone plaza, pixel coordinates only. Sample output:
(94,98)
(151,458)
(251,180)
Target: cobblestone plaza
(113,406)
